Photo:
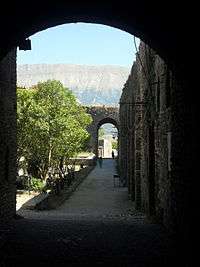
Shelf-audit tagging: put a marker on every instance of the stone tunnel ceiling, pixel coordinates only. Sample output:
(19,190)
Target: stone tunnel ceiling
(145,21)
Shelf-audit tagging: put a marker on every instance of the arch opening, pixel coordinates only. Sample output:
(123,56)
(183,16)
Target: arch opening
(106,119)
(159,34)
(107,140)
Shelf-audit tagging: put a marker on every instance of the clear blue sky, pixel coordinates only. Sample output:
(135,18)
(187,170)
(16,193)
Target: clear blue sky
(80,43)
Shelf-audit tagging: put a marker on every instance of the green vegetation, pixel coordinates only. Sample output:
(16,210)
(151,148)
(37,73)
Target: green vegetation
(36,185)
(30,183)
(51,126)
(114,145)
(101,132)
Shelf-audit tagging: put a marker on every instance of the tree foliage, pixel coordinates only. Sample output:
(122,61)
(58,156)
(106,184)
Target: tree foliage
(51,124)
(101,132)
(114,145)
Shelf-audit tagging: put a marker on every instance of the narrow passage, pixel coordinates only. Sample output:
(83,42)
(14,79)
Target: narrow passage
(97,195)
(97,226)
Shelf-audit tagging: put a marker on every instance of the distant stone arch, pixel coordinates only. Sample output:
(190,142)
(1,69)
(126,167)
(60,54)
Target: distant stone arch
(100,115)
(108,120)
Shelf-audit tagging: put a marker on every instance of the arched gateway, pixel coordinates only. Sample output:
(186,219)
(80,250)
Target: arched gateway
(150,22)
(100,115)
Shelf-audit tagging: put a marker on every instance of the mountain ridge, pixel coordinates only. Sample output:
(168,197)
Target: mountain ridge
(92,84)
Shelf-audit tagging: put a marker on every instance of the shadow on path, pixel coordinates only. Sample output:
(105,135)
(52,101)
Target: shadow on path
(97,226)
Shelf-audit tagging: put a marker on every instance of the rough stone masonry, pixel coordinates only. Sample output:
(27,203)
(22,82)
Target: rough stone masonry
(151,141)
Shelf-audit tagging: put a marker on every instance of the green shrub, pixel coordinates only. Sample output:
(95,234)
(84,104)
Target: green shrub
(27,183)
(36,184)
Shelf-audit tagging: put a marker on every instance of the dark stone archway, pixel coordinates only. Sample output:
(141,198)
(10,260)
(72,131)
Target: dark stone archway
(163,27)
(101,115)
(144,19)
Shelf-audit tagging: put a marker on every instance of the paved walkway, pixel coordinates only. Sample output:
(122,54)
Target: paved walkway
(97,226)
(95,198)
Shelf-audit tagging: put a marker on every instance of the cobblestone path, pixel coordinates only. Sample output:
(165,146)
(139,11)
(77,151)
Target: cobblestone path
(97,226)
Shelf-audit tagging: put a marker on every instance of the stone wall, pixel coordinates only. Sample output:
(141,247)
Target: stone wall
(83,161)
(151,138)
(7,136)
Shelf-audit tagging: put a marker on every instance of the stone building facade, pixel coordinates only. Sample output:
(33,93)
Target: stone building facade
(149,140)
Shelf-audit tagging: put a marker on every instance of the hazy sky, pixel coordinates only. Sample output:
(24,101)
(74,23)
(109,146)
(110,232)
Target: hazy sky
(80,43)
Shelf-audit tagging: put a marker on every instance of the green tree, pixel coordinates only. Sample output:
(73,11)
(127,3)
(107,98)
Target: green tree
(24,130)
(56,125)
